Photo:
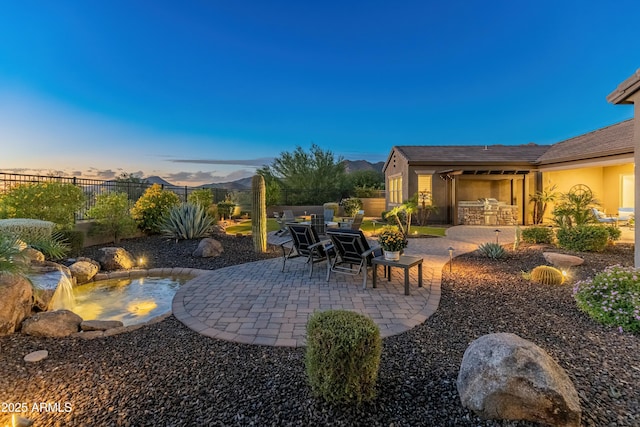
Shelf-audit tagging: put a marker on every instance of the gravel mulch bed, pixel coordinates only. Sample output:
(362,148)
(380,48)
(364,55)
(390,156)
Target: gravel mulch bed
(166,374)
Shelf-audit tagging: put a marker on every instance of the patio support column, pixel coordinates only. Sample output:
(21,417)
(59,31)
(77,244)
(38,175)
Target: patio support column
(628,92)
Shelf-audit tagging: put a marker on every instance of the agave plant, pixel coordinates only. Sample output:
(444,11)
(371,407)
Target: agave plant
(187,221)
(12,260)
(492,250)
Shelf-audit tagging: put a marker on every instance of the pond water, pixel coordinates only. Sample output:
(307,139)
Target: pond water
(130,301)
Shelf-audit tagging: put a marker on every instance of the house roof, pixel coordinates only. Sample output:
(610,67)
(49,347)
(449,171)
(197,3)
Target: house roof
(472,154)
(608,141)
(625,90)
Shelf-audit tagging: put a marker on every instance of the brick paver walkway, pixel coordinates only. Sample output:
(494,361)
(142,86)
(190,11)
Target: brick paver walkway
(256,303)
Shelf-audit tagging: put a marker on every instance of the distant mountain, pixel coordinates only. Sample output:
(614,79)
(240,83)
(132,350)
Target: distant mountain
(157,180)
(362,165)
(240,184)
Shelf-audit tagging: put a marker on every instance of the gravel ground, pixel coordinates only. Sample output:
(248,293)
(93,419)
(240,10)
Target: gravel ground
(165,374)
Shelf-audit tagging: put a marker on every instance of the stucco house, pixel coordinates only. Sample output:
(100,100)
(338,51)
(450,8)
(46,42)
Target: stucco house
(491,185)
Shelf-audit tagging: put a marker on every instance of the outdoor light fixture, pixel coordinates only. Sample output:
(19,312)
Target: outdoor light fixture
(450,258)
(497,234)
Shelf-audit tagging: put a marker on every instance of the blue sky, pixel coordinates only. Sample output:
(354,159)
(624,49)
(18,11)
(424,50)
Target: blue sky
(205,91)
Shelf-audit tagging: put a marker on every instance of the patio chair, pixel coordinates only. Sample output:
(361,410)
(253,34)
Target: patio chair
(287,216)
(357,220)
(304,243)
(318,224)
(328,215)
(352,253)
(602,217)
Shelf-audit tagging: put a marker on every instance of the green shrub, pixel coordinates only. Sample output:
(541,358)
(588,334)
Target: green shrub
(112,215)
(351,206)
(53,247)
(152,207)
(27,229)
(612,297)
(547,275)
(614,233)
(225,209)
(202,197)
(537,234)
(48,201)
(74,240)
(343,356)
(187,221)
(492,250)
(583,238)
(335,207)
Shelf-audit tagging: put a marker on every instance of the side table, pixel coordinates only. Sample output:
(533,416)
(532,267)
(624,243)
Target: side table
(405,262)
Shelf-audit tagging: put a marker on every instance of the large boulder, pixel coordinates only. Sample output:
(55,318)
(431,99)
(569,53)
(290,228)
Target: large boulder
(503,376)
(57,324)
(15,302)
(116,259)
(208,247)
(33,254)
(562,260)
(84,270)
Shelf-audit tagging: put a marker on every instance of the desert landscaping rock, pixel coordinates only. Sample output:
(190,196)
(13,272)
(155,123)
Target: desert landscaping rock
(503,376)
(111,258)
(60,323)
(36,356)
(208,248)
(562,260)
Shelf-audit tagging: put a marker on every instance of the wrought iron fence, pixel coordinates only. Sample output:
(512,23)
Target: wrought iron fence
(242,197)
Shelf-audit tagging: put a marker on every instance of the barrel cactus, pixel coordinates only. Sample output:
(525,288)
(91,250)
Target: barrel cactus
(259,214)
(547,275)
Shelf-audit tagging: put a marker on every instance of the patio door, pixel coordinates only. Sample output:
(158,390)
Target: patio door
(627,190)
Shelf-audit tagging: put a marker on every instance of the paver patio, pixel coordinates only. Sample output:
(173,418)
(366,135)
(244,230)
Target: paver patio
(256,303)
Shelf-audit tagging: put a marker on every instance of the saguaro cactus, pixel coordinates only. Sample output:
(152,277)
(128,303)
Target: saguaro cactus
(259,214)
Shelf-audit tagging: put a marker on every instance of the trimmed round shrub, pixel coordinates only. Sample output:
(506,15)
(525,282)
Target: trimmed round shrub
(547,275)
(584,238)
(351,206)
(612,297)
(343,356)
(152,207)
(335,207)
(537,235)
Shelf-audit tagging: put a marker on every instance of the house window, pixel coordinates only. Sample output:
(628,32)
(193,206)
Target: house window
(395,189)
(425,188)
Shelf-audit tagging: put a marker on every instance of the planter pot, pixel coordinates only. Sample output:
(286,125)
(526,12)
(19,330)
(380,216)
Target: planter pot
(392,255)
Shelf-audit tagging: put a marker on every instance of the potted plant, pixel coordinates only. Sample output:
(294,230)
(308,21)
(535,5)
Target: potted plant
(392,242)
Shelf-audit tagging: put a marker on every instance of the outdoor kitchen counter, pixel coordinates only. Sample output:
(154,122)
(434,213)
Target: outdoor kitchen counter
(481,213)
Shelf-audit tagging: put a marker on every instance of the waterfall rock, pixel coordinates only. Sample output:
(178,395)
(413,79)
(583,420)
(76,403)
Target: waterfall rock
(47,278)
(113,258)
(503,376)
(57,324)
(84,271)
(208,247)
(15,302)
(33,254)
(100,325)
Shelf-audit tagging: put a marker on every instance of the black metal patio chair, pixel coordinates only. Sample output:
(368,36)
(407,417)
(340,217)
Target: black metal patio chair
(353,254)
(305,243)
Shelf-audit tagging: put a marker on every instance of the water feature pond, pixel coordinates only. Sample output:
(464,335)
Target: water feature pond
(129,300)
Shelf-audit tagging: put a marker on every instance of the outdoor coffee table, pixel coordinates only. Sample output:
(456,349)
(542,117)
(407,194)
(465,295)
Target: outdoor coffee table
(405,262)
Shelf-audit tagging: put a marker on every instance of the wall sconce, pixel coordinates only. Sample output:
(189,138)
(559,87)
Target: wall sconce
(497,234)
(450,258)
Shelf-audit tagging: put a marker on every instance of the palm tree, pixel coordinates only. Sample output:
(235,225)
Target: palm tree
(540,200)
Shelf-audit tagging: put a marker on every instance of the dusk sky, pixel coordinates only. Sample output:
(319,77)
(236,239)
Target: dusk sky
(206,91)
